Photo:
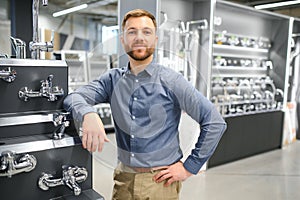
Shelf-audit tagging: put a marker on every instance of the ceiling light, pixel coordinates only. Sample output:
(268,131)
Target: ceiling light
(278,4)
(70,10)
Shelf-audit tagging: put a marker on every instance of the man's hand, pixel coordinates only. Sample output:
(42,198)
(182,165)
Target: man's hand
(172,173)
(93,133)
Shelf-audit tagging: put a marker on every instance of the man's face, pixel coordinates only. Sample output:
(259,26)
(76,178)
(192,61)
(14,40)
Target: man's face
(139,38)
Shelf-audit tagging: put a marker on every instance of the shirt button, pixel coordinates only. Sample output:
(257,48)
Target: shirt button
(132,155)
(136,80)
(134,98)
(133,117)
(132,136)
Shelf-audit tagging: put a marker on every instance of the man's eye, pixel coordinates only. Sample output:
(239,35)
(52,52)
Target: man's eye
(131,32)
(147,32)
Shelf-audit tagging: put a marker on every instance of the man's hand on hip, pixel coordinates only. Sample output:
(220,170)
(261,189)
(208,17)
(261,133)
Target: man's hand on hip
(93,132)
(172,173)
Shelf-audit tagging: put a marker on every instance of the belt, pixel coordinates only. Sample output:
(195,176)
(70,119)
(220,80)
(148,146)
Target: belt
(142,169)
(126,168)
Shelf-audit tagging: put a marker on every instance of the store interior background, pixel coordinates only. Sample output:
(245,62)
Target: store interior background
(91,35)
(93,25)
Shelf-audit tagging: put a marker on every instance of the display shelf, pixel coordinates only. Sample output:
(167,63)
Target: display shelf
(234,71)
(239,48)
(245,60)
(238,114)
(234,55)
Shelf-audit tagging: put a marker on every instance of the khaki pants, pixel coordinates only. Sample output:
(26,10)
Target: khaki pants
(140,186)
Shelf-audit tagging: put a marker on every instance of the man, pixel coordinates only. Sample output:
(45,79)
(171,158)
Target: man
(147,100)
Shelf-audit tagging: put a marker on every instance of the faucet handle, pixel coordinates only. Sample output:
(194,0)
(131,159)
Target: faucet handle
(60,121)
(49,45)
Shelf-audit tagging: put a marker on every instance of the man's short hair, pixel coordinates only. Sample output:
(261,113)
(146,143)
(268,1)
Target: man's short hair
(138,13)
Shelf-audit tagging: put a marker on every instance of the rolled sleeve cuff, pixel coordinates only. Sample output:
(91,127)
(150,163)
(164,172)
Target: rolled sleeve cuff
(193,165)
(84,111)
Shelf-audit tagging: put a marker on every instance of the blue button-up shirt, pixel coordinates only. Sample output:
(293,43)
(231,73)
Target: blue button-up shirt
(146,109)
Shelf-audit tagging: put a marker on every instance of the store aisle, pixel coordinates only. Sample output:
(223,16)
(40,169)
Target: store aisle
(273,175)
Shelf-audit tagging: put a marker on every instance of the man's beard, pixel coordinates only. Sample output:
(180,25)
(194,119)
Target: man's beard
(148,53)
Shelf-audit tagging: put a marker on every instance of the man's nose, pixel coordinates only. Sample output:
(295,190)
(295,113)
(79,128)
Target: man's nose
(140,35)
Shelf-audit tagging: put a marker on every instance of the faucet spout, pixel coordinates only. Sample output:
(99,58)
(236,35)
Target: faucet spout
(35,37)
(36,46)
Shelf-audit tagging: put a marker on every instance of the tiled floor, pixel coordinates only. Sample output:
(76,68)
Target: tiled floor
(274,175)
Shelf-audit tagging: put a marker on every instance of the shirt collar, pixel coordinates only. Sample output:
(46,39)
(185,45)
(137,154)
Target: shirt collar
(149,69)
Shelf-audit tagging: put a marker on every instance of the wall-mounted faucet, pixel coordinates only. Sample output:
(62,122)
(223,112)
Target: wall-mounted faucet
(60,121)
(11,165)
(8,74)
(47,90)
(36,46)
(71,176)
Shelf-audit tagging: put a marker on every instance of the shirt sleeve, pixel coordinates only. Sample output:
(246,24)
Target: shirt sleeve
(212,125)
(82,100)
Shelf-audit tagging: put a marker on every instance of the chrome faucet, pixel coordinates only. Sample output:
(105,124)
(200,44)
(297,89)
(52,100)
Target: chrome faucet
(36,46)
(8,75)
(71,176)
(10,165)
(60,121)
(19,47)
(47,90)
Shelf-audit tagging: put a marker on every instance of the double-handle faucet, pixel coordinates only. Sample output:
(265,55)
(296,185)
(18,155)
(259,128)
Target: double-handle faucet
(71,176)
(47,90)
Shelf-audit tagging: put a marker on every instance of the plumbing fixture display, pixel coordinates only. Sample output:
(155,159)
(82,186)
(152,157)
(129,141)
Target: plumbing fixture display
(241,82)
(180,45)
(224,38)
(71,176)
(42,85)
(47,90)
(51,156)
(12,164)
(33,128)
(234,96)
(19,47)
(8,74)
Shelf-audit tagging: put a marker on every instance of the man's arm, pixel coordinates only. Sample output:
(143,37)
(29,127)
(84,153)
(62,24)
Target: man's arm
(80,105)
(93,132)
(212,127)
